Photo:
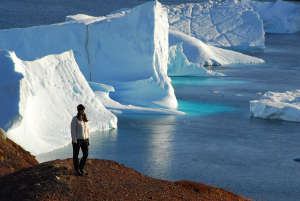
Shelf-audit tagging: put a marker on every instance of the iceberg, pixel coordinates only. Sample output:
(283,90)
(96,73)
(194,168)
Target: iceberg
(39,99)
(189,56)
(128,50)
(139,38)
(279,16)
(179,65)
(35,42)
(230,23)
(275,105)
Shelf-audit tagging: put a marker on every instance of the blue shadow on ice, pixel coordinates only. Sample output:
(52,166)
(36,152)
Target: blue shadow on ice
(202,109)
(201,81)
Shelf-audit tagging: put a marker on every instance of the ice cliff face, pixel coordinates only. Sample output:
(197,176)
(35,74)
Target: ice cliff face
(279,16)
(231,24)
(130,52)
(36,42)
(122,49)
(39,99)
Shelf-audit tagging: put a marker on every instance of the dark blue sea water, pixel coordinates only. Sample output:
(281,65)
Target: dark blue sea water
(217,142)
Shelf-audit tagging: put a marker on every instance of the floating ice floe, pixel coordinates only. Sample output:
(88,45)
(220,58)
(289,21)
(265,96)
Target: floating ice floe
(189,56)
(275,105)
(39,99)
(279,16)
(230,23)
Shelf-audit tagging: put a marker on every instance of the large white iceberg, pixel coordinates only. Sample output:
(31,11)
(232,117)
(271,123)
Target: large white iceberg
(279,16)
(134,47)
(128,50)
(39,99)
(274,105)
(189,56)
(229,23)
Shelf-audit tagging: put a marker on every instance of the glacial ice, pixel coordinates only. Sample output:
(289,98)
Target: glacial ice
(129,48)
(189,56)
(232,24)
(134,47)
(275,105)
(279,16)
(39,99)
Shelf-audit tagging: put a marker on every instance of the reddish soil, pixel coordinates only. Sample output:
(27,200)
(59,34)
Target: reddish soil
(106,180)
(13,157)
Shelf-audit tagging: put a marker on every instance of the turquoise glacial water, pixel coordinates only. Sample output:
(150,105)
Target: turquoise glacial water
(204,81)
(202,109)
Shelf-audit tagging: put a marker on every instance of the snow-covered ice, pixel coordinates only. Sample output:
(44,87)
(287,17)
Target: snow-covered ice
(279,16)
(275,105)
(189,56)
(229,23)
(128,50)
(39,99)
(36,42)
(179,65)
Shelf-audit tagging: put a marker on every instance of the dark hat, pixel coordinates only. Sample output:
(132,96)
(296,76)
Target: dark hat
(80,107)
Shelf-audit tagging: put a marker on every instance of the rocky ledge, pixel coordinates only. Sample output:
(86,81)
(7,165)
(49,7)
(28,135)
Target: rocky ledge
(12,156)
(106,180)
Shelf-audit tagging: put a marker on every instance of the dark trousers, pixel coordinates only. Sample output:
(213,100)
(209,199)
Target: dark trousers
(84,145)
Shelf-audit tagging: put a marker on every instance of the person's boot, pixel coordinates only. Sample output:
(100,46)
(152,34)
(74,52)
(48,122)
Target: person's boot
(78,173)
(84,173)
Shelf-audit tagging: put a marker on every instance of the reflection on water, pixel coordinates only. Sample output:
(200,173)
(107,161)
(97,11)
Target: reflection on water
(160,147)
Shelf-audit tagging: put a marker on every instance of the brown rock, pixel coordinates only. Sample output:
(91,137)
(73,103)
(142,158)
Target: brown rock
(106,180)
(12,156)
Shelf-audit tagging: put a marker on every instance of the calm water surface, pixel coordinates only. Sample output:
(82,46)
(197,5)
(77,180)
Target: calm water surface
(217,142)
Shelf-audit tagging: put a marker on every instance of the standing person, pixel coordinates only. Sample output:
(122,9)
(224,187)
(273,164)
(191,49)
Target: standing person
(80,134)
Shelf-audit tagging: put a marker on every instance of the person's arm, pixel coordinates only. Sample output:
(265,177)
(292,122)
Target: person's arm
(73,131)
(88,132)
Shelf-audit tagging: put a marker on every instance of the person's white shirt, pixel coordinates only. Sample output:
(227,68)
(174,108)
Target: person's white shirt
(79,130)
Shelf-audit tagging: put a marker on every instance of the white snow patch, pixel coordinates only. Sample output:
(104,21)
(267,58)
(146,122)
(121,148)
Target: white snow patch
(40,98)
(275,105)
(231,24)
